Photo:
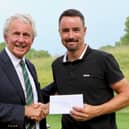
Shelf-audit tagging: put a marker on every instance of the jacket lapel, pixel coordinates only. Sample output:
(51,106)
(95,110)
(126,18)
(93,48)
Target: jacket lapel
(11,74)
(34,75)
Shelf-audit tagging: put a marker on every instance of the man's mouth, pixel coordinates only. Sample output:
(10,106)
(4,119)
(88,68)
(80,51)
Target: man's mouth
(20,46)
(71,40)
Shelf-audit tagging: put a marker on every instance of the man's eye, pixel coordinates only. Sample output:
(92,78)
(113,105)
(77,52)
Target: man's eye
(76,29)
(16,33)
(65,31)
(26,35)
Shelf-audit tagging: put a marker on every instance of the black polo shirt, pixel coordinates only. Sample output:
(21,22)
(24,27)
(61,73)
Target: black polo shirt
(92,76)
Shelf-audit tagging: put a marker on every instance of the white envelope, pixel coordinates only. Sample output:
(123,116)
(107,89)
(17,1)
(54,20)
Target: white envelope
(62,104)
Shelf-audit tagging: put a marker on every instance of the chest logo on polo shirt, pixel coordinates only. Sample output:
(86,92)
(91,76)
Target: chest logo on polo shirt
(86,75)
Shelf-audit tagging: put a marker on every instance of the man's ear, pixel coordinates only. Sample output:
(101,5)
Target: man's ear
(5,38)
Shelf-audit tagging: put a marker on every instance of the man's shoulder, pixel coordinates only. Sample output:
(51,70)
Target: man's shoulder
(3,56)
(58,60)
(100,53)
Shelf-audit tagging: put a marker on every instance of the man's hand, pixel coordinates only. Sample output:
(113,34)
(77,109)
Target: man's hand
(86,113)
(36,111)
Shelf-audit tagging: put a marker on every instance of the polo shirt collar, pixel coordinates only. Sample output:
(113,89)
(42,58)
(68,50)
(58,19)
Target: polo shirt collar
(80,58)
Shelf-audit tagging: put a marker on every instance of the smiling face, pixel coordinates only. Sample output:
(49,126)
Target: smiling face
(19,37)
(72,32)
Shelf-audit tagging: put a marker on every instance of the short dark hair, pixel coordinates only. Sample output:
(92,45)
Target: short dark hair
(72,13)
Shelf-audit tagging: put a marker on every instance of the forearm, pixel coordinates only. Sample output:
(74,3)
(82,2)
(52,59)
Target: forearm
(118,102)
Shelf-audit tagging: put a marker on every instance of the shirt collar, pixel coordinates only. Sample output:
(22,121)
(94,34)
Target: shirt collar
(13,58)
(80,58)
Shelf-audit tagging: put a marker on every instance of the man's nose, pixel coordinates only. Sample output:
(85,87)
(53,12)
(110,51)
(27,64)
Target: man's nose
(20,38)
(71,34)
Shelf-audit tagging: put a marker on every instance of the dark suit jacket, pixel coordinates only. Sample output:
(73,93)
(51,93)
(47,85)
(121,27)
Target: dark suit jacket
(12,99)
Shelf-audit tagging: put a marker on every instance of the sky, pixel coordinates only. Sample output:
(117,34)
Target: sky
(105,20)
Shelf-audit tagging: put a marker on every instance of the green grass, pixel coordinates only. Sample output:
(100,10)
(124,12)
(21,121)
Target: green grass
(54,121)
(44,72)
(43,67)
(123,119)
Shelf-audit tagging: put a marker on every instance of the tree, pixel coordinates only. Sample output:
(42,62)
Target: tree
(125,39)
(2,45)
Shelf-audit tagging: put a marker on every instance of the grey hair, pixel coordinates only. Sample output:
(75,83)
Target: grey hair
(25,18)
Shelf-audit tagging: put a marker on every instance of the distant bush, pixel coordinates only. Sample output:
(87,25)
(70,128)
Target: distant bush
(32,54)
(37,54)
(106,47)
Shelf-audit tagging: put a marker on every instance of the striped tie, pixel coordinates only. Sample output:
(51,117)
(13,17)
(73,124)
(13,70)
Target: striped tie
(29,93)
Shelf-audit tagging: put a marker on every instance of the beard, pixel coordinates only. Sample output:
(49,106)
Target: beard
(71,44)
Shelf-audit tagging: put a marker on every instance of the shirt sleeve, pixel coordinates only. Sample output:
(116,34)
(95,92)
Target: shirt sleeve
(113,72)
